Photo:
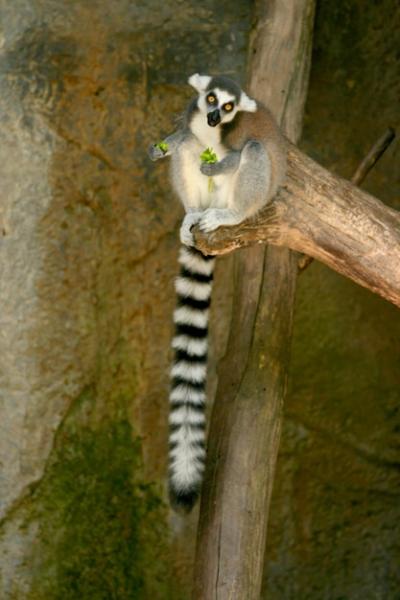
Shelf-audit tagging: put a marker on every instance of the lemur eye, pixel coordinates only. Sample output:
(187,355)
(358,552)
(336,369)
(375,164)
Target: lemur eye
(211,99)
(228,106)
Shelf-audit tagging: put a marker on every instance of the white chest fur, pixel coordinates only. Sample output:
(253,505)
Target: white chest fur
(209,137)
(196,190)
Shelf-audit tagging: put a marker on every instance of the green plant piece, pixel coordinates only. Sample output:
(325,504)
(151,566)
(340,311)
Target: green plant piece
(163,146)
(209,157)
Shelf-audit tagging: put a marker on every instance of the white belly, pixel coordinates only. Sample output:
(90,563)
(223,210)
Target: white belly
(198,191)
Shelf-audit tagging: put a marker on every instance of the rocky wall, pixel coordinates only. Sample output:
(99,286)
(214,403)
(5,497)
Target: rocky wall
(88,252)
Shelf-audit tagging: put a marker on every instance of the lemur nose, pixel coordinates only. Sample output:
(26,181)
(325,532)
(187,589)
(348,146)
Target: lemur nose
(213,117)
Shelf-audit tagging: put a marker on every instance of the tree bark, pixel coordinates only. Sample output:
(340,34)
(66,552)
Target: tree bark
(328,218)
(246,420)
(360,174)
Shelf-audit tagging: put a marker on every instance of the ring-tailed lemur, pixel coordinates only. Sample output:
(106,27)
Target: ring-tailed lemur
(251,165)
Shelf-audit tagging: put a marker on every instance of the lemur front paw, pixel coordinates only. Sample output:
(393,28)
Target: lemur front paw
(209,169)
(155,152)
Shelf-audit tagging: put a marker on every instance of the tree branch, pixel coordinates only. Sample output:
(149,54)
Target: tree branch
(360,174)
(328,218)
(373,156)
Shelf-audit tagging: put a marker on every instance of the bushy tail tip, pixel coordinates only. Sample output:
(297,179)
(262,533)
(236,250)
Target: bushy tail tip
(183,501)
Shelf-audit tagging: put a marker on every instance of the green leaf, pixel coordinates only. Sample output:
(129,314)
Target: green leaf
(208,156)
(163,146)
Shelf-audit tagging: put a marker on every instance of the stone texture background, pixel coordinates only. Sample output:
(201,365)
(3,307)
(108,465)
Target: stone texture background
(88,255)
(88,242)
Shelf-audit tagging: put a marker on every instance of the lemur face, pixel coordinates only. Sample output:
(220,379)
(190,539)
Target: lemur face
(220,98)
(218,105)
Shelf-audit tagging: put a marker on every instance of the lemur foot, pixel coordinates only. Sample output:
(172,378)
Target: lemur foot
(189,221)
(212,218)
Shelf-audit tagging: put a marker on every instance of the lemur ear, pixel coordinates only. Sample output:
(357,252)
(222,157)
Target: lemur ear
(247,104)
(199,82)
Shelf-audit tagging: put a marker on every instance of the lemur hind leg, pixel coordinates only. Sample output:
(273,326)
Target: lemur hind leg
(190,219)
(250,192)
(212,218)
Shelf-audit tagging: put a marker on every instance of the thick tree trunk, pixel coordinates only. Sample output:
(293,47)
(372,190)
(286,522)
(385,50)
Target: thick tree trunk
(326,217)
(246,420)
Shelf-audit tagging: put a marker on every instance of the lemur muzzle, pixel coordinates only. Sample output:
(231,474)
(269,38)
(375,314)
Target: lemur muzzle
(213,117)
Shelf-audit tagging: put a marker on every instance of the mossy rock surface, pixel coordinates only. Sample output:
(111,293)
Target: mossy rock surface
(102,529)
(88,255)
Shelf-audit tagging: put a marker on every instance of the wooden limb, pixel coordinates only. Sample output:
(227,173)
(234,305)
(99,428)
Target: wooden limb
(244,438)
(373,156)
(247,414)
(360,174)
(304,262)
(326,217)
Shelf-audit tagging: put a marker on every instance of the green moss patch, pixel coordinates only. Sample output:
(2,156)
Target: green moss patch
(102,532)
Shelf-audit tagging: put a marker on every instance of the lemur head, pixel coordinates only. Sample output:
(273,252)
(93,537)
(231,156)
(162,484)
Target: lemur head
(220,98)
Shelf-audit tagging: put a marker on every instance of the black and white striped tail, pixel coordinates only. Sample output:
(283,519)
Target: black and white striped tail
(188,376)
